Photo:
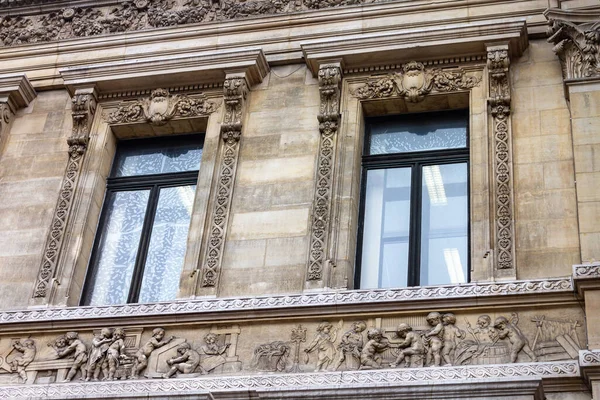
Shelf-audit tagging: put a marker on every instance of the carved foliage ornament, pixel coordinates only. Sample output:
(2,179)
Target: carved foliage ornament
(330,78)
(577,46)
(235,91)
(83,109)
(414,82)
(160,107)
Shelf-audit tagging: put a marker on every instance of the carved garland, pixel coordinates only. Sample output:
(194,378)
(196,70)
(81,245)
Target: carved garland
(235,91)
(499,102)
(330,78)
(83,109)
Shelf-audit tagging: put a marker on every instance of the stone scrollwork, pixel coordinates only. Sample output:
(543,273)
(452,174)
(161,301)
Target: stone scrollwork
(5,115)
(330,78)
(414,82)
(83,110)
(160,107)
(235,92)
(576,42)
(585,271)
(499,103)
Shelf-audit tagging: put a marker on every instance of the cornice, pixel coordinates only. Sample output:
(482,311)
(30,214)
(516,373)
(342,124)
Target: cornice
(466,39)
(373,383)
(315,303)
(193,69)
(16,91)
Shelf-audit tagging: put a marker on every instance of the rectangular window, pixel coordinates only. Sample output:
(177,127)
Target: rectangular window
(142,236)
(414,202)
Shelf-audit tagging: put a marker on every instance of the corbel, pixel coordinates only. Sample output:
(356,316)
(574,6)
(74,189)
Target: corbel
(15,92)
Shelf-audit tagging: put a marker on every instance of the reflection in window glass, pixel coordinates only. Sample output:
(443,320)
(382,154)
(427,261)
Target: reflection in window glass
(133,161)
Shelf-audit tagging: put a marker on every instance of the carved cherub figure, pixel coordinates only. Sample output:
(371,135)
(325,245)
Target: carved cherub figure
(186,361)
(435,336)
(452,335)
(351,344)
(141,357)
(376,344)
(509,331)
(412,343)
(115,352)
(97,357)
(76,348)
(213,353)
(484,332)
(18,364)
(323,344)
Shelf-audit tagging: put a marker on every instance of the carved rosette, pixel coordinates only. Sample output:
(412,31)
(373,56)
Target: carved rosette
(83,109)
(330,78)
(577,45)
(161,107)
(499,102)
(414,82)
(235,92)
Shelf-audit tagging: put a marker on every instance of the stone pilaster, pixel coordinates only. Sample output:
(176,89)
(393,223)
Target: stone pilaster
(235,92)
(83,109)
(330,79)
(498,63)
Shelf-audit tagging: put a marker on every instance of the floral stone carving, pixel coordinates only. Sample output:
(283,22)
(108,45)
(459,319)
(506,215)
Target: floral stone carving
(414,82)
(161,107)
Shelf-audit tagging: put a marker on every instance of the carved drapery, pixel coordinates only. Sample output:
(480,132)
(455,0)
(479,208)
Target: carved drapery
(414,82)
(83,109)
(499,105)
(576,39)
(235,92)
(161,107)
(330,78)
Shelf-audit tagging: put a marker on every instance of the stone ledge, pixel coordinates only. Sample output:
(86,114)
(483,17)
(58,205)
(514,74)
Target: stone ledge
(488,293)
(435,380)
(586,277)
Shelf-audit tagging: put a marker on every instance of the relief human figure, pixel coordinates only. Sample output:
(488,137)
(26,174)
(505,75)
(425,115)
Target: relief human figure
(185,362)
(18,364)
(115,352)
(141,357)
(452,336)
(476,351)
(323,344)
(435,336)
(509,331)
(97,357)
(74,346)
(214,353)
(376,344)
(351,345)
(413,352)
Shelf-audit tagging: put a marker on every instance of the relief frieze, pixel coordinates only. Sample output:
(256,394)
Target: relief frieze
(137,15)
(436,339)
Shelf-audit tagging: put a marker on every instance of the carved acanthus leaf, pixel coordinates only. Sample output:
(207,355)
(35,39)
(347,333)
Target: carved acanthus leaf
(414,82)
(577,46)
(161,107)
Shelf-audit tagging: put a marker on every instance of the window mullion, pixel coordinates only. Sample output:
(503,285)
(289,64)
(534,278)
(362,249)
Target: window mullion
(140,261)
(414,254)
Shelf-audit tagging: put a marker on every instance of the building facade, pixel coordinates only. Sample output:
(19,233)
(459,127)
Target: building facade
(300,199)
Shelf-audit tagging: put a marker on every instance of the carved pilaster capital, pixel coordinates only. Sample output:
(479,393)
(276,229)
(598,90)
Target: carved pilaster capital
(83,107)
(235,91)
(576,38)
(330,81)
(498,62)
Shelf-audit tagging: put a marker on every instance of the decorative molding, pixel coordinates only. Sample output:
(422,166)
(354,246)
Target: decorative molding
(448,62)
(589,358)
(15,92)
(287,382)
(499,105)
(146,92)
(586,271)
(83,110)
(576,38)
(339,298)
(414,82)
(235,91)
(5,116)
(160,107)
(330,80)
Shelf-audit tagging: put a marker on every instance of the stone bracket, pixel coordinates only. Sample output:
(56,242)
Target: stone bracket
(15,92)
(83,110)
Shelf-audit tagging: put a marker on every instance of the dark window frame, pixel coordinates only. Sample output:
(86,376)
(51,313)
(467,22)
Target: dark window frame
(415,160)
(152,182)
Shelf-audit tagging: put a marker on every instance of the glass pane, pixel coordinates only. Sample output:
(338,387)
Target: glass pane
(168,242)
(444,225)
(386,228)
(419,132)
(118,247)
(132,160)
